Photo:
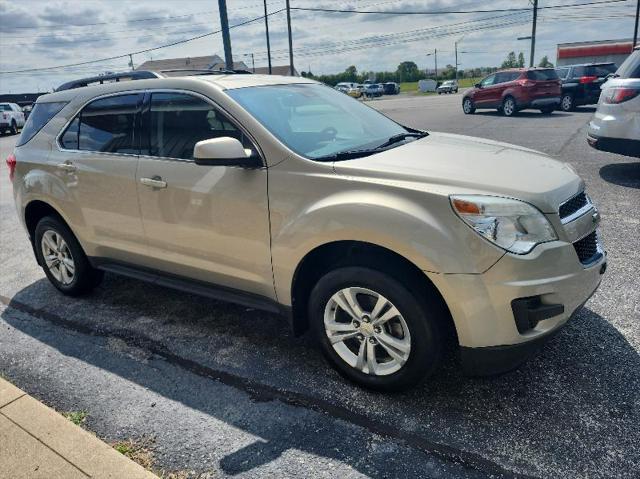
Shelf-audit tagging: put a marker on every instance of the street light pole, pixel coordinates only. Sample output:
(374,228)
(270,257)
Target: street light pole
(533,32)
(266,27)
(226,39)
(456,48)
(635,30)
(291,70)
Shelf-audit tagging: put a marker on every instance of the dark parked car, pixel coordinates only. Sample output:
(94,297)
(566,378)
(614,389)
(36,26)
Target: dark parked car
(391,88)
(581,83)
(510,91)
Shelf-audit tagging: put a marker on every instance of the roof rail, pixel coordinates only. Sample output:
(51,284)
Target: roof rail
(108,78)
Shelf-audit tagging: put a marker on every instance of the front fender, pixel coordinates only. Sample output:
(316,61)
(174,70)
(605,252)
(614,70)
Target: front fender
(418,226)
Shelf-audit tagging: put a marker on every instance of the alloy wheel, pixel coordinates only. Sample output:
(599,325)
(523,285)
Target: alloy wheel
(508,107)
(467,106)
(57,257)
(567,103)
(367,331)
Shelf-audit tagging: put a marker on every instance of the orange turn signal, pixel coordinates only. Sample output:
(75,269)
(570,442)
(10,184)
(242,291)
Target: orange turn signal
(465,207)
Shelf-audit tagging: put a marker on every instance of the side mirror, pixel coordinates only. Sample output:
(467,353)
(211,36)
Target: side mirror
(225,151)
(478,85)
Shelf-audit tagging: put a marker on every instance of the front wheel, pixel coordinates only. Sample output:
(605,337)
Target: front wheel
(14,128)
(468,107)
(63,259)
(373,330)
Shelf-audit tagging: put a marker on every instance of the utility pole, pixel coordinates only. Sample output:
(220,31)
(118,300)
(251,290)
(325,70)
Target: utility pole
(131,61)
(266,27)
(533,32)
(435,57)
(291,70)
(456,48)
(635,30)
(226,39)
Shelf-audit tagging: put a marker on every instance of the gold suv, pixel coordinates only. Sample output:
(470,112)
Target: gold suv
(283,194)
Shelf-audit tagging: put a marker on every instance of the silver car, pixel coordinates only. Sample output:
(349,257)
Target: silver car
(615,127)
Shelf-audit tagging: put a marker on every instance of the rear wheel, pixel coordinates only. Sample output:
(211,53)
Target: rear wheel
(468,107)
(509,107)
(566,102)
(63,259)
(373,330)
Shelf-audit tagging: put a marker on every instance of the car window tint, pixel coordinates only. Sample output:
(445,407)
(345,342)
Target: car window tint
(578,72)
(601,70)
(40,116)
(107,125)
(69,139)
(562,72)
(630,68)
(542,75)
(488,81)
(178,121)
(5,107)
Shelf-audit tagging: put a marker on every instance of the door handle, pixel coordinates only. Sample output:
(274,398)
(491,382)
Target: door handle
(67,166)
(155,182)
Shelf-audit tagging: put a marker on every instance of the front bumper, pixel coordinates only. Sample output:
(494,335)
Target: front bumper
(482,310)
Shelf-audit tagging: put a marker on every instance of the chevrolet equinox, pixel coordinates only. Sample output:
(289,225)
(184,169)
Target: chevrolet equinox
(283,194)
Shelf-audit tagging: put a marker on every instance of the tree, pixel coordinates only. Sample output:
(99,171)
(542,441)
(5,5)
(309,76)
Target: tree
(408,71)
(511,61)
(520,60)
(351,73)
(545,63)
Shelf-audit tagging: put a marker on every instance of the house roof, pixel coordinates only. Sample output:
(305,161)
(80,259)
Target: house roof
(209,62)
(276,70)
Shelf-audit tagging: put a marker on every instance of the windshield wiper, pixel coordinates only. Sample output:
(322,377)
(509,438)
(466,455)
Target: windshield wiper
(401,136)
(351,154)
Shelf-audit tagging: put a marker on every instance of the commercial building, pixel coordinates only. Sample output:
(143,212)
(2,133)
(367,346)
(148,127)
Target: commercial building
(615,51)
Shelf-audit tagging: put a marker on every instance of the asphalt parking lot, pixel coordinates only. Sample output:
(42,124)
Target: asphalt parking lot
(222,390)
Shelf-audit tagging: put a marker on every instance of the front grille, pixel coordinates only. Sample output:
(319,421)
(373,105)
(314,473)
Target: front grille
(569,207)
(587,248)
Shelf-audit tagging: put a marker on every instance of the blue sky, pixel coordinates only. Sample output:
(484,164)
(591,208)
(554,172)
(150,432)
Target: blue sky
(42,33)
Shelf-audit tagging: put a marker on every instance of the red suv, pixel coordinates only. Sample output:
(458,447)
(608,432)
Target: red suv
(513,90)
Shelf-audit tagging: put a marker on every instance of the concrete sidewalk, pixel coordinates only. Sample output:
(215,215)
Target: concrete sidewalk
(37,442)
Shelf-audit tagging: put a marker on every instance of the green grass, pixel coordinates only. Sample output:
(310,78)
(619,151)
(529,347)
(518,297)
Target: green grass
(412,87)
(76,417)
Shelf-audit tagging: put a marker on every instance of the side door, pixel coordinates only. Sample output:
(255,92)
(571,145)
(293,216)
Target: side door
(482,98)
(96,156)
(209,223)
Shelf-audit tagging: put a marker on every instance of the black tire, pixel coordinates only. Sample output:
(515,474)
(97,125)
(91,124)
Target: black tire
(14,128)
(85,277)
(548,110)
(471,109)
(422,320)
(509,106)
(567,102)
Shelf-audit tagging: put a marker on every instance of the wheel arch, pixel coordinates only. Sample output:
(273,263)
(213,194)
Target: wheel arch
(329,256)
(34,211)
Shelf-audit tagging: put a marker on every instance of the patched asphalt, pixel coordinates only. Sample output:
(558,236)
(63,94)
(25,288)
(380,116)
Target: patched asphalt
(229,391)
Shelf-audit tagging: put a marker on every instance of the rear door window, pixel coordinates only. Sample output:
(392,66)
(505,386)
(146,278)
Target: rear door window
(562,73)
(41,114)
(107,125)
(488,81)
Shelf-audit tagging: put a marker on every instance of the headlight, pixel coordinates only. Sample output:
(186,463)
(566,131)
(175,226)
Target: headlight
(511,224)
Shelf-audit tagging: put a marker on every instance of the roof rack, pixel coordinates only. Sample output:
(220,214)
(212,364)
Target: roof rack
(109,78)
(204,71)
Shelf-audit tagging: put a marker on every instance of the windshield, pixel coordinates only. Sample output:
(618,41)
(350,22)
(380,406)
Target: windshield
(316,121)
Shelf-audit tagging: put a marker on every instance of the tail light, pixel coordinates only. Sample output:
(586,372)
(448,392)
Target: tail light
(526,83)
(588,79)
(11,164)
(620,94)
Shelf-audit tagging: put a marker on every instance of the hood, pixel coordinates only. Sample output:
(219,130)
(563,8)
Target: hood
(467,165)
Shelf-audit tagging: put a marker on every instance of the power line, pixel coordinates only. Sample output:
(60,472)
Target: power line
(448,12)
(146,50)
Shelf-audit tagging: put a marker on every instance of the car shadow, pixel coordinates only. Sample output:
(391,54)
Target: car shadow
(522,114)
(559,386)
(585,109)
(622,174)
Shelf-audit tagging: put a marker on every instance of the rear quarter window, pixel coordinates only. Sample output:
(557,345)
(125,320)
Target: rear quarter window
(630,68)
(41,114)
(542,75)
(600,70)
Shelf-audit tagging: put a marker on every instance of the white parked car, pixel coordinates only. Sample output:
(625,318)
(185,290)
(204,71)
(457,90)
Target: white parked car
(11,118)
(615,127)
(449,86)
